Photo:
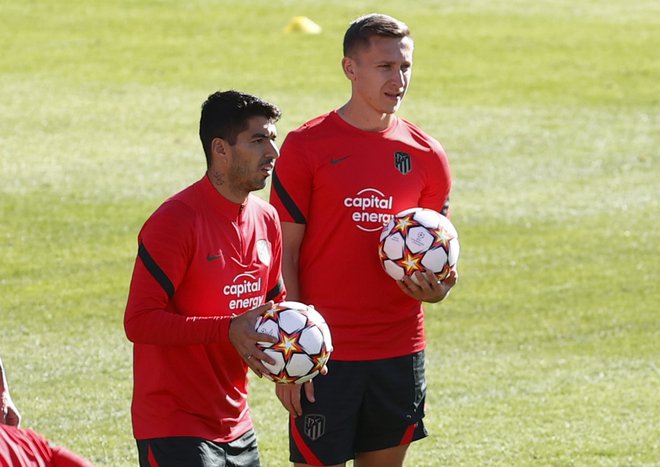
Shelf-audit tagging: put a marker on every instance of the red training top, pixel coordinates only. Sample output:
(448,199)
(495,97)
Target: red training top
(201,259)
(344,184)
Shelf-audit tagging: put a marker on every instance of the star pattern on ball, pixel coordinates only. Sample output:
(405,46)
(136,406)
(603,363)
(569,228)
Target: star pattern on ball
(381,251)
(411,262)
(441,238)
(271,313)
(442,275)
(403,224)
(279,307)
(289,344)
(321,360)
(283,378)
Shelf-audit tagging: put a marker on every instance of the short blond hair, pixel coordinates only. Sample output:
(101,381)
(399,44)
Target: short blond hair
(363,28)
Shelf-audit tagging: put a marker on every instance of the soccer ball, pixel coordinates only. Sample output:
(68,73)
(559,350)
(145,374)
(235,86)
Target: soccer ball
(304,344)
(418,239)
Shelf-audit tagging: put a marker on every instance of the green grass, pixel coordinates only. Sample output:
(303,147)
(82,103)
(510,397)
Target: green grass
(546,352)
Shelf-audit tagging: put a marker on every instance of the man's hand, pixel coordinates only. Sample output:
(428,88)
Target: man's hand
(428,288)
(244,338)
(9,414)
(290,396)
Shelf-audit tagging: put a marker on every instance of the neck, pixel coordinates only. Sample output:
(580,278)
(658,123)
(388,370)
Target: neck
(219,182)
(365,120)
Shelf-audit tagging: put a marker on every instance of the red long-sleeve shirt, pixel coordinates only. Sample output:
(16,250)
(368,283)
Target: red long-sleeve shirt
(201,259)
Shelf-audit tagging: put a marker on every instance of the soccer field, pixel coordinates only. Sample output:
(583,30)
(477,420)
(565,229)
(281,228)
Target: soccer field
(547,351)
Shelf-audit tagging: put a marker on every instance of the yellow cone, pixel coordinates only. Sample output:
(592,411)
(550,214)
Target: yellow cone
(302,24)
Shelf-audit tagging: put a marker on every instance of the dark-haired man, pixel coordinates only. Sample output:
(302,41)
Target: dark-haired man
(340,177)
(208,262)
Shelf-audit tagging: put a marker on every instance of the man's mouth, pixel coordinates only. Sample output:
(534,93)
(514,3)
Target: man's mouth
(394,95)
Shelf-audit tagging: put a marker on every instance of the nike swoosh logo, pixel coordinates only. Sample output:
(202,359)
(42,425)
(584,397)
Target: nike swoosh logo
(213,257)
(338,160)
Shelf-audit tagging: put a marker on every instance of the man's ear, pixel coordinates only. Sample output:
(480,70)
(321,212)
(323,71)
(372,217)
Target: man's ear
(219,148)
(348,65)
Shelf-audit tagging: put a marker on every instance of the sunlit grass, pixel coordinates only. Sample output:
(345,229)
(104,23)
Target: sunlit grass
(545,353)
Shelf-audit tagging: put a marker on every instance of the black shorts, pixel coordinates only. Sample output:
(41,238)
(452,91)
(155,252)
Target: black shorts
(360,406)
(191,451)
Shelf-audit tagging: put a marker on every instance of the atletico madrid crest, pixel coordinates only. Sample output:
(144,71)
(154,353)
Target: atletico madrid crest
(314,426)
(402,162)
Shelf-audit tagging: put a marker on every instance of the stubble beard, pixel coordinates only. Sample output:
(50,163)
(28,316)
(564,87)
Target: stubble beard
(245,184)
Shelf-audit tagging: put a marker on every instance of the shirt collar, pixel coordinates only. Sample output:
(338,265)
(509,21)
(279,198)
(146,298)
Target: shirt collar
(219,202)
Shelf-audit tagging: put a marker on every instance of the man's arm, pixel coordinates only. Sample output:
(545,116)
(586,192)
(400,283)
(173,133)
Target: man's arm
(147,321)
(164,247)
(292,236)
(9,414)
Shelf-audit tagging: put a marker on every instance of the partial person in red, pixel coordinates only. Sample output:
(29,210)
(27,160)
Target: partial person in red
(9,414)
(340,177)
(208,263)
(22,447)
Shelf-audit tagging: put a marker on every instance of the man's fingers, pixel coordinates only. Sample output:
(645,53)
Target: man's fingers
(260,309)
(256,365)
(309,391)
(289,396)
(260,355)
(451,279)
(285,399)
(263,337)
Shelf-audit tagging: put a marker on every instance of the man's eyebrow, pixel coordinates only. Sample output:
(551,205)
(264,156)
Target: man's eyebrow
(264,135)
(387,62)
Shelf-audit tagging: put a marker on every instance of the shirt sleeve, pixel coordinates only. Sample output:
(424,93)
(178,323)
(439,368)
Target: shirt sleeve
(291,186)
(435,195)
(165,247)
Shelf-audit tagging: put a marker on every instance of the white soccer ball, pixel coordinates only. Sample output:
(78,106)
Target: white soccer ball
(304,344)
(418,239)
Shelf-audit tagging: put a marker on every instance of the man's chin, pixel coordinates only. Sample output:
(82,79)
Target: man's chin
(260,184)
(390,110)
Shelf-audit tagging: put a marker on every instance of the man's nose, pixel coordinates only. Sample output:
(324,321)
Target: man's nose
(272,152)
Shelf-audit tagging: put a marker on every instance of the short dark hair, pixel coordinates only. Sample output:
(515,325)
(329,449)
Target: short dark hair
(226,114)
(374,24)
